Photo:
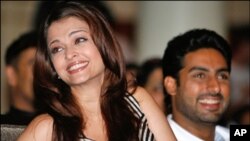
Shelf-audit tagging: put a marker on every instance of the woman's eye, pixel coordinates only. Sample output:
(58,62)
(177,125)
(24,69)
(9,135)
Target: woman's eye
(80,40)
(56,50)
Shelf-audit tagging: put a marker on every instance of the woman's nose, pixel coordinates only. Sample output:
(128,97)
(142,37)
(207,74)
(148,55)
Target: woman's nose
(70,53)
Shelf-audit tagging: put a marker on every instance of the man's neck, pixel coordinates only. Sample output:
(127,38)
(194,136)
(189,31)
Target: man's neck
(23,105)
(202,130)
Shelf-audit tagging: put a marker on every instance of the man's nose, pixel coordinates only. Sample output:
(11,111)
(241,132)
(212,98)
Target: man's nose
(214,85)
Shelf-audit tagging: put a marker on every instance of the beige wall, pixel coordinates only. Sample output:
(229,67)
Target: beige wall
(16,18)
(237,12)
(158,22)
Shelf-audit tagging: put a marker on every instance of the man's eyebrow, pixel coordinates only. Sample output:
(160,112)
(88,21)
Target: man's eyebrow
(204,69)
(197,68)
(223,70)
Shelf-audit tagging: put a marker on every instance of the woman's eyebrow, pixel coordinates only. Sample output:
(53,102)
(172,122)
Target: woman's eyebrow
(76,31)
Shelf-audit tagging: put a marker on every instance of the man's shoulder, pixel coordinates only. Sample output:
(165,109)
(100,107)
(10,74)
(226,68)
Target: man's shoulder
(10,118)
(222,129)
(4,115)
(6,118)
(223,132)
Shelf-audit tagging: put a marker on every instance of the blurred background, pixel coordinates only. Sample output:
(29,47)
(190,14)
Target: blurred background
(143,28)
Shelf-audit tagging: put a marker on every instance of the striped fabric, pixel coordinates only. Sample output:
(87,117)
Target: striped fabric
(144,133)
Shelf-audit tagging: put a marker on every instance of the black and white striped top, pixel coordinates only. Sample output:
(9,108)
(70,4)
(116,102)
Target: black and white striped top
(144,132)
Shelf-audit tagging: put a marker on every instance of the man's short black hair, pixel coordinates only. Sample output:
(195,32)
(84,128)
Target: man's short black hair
(25,41)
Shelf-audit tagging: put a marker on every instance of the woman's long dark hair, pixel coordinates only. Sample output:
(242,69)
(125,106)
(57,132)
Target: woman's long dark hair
(53,96)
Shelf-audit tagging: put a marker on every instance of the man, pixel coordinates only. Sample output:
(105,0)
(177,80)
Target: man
(19,59)
(196,68)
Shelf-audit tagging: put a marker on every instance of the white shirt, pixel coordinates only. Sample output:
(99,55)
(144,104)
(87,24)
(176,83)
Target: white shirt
(221,133)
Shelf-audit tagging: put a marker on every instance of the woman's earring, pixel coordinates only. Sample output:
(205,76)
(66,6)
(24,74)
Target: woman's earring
(58,77)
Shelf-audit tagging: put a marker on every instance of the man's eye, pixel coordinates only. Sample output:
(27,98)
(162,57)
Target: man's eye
(223,76)
(80,40)
(199,75)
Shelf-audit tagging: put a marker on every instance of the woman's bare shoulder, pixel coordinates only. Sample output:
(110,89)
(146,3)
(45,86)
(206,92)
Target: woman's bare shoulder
(39,129)
(156,119)
(141,94)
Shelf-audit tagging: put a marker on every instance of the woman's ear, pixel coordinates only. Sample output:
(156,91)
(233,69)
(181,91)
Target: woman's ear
(170,85)
(11,76)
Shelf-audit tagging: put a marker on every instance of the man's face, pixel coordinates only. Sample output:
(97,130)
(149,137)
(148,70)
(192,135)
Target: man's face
(24,73)
(203,91)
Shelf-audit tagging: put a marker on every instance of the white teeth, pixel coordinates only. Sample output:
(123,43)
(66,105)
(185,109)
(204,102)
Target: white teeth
(209,101)
(76,66)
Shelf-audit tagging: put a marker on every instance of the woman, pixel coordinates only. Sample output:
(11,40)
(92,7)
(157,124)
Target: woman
(81,87)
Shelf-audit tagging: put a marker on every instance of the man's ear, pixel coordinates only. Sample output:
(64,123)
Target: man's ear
(11,76)
(170,85)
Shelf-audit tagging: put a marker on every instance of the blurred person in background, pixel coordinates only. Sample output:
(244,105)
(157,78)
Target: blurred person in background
(241,116)
(19,59)
(150,77)
(239,37)
(131,72)
(196,68)
(240,95)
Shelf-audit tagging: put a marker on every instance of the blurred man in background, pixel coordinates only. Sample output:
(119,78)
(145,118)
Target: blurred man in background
(19,59)
(150,77)
(238,111)
(239,37)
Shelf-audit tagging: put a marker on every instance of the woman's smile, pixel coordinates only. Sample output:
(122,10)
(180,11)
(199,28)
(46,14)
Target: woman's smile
(77,66)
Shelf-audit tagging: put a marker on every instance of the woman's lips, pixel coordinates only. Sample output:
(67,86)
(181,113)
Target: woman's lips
(77,66)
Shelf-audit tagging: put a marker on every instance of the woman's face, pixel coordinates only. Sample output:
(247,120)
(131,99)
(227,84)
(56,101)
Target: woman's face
(74,55)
